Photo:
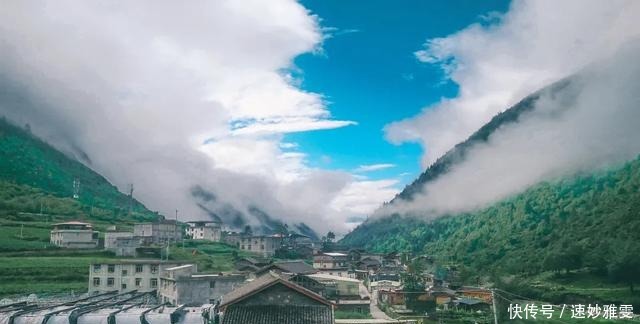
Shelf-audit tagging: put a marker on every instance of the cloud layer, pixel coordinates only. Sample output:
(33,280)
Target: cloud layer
(176,97)
(589,125)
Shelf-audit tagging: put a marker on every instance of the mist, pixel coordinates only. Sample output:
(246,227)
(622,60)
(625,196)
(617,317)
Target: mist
(589,125)
(589,122)
(177,99)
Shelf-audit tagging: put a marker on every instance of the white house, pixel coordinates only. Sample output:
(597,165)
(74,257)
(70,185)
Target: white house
(74,235)
(204,230)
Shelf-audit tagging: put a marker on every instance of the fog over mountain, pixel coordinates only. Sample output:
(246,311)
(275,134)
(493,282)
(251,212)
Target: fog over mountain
(589,123)
(177,99)
(584,123)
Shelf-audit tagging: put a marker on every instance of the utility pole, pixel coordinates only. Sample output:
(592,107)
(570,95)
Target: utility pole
(175,229)
(493,299)
(130,198)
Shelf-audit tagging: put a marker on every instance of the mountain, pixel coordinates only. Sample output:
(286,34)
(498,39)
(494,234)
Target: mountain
(35,177)
(587,220)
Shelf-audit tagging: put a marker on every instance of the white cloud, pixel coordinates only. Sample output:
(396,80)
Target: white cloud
(535,43)
(140,86)
(373,167)
(589,125)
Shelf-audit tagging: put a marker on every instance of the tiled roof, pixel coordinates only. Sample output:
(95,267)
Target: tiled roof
(295,267)
(264,282)
(277,314)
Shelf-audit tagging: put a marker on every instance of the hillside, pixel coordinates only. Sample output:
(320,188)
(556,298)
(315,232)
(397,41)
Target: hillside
(587,223)
(35,177)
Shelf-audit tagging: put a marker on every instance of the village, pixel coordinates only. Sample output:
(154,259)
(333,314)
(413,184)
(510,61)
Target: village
(280,278)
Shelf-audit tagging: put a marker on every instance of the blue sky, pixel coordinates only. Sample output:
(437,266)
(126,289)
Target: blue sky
(367,72)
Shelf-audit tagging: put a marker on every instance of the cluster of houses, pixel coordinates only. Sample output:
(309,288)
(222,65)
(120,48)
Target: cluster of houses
(147,238)
(349,281)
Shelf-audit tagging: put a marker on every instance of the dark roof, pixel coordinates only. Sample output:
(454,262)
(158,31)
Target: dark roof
(277,314)
(263,282)
(294,267)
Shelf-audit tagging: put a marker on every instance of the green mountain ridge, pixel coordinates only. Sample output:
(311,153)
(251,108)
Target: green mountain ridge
(35,177)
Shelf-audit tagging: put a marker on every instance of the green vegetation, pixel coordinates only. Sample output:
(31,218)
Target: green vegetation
(37,178)
(351,315)
(210,256)
(44,275)
(590,222)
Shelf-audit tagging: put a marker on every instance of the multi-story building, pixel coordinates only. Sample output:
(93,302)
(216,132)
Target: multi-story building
(127,275)
(158,232)
(182,285)
(122,243)
(74,235)
(331,263)
(204,230)
(261,244)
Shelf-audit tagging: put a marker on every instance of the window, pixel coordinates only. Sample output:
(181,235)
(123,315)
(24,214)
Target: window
(124,286)
(138,282)
(154,268)
(111,268)
(138,268)
(261,246)
(110,282)
(212,284)
(154,282)
(97,267)
(124,272)
(96,282)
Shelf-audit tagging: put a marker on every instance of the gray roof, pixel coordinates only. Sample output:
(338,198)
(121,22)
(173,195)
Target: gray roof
(264,282)
(277,314)
(294,267)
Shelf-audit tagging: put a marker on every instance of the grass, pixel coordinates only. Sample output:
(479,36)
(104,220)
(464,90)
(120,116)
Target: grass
(48,274)
(351,315)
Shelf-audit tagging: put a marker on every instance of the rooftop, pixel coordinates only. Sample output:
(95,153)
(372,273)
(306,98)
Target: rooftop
(263,282)
(184,266)
(331,277)
(278,314)
(334,254)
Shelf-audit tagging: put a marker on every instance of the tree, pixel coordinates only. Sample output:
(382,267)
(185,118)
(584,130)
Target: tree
(624,265)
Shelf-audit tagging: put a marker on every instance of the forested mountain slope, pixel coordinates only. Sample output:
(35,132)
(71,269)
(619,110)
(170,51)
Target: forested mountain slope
(592,220)
(34,175)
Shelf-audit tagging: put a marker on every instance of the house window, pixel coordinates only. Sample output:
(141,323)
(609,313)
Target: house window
(110,282)
(124,286)
(138,268)
(124,272)
(261,246)
(212,284)
(97,267)
(154,282)
(138,282)
(111,268)
(154,268)
(96,282)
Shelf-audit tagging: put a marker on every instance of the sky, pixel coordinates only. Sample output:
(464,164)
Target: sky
(367,71)
(312,112)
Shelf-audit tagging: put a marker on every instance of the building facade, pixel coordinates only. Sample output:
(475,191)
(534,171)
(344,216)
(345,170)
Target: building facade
(204,230)
(261,244)
(331,263)
(182,285)
(74,235)
(127,275)
(158,232)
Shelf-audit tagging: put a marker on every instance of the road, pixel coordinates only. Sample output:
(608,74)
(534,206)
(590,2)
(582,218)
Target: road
(375,311)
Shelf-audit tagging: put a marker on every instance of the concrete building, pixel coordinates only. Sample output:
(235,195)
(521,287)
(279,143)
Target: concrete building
(127,275)
(204,230)
(261,244)
(331,263)
(182,285)
(158,232)
(74,235)
(122,243)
